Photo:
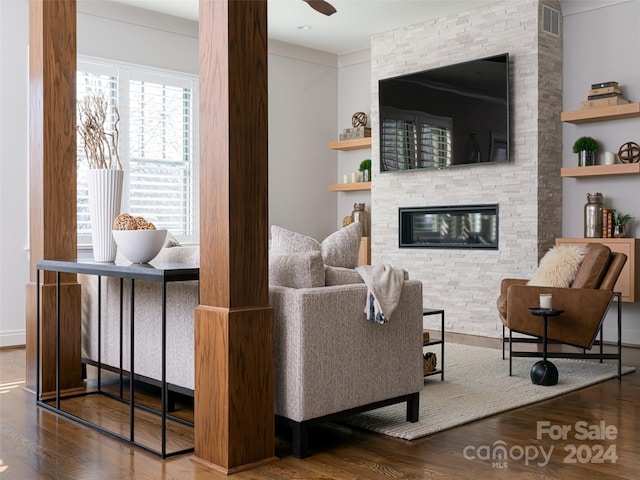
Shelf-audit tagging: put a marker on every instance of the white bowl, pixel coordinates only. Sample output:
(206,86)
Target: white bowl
(140,246)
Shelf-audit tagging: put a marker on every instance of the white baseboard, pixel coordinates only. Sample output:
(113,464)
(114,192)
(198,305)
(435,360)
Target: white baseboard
(10,338)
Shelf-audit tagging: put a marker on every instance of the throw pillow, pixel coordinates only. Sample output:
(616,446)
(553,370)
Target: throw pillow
(558,267)
(340,249)
(296,270)
(286,241)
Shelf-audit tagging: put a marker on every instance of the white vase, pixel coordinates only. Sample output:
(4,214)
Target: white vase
(105,196)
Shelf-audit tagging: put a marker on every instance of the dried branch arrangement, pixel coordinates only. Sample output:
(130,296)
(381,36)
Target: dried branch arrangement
(100,147)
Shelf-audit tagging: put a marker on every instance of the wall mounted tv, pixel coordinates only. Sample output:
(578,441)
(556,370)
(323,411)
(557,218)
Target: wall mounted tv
(446,117)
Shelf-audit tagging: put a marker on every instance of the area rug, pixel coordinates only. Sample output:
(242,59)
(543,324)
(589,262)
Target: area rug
(477,385)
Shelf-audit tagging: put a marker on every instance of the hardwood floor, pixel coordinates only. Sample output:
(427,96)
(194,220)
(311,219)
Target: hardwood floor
(38,444)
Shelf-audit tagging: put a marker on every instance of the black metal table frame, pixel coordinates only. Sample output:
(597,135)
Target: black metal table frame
(170,273)
(432,311)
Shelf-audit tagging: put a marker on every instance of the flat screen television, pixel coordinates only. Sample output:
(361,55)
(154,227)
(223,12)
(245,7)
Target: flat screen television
(456,115)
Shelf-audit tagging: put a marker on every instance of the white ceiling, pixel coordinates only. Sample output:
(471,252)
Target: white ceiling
(351,27)
(346,31)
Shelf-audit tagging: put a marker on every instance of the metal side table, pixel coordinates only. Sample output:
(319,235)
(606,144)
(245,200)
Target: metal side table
(437,371)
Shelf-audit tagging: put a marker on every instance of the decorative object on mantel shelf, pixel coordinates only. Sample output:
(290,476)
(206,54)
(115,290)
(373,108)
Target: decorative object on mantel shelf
(359,119)
(365,168)
(105,176)
(593,215)
(629,152)
(359,130)
(619,222)
(586,148)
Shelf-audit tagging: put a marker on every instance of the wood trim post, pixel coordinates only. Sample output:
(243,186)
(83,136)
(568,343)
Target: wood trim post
(52,187)
(234,361)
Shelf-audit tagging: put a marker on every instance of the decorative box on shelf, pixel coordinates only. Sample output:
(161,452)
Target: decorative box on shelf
(355,132)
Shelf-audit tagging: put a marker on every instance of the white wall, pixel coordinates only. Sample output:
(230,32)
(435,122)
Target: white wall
(601,44)
(302,121)
(303,99)
(14,216)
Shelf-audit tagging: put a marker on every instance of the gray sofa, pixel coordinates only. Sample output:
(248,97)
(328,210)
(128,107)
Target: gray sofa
(329,358)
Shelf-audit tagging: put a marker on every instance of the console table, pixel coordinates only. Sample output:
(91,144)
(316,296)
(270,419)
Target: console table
(159,272)
(437,371)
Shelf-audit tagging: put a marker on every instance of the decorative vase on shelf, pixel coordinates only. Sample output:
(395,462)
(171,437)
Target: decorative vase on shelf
(105,197)
(593,215)
(359,214)
(586,158)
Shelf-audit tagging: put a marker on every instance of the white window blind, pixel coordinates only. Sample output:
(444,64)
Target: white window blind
(158,148)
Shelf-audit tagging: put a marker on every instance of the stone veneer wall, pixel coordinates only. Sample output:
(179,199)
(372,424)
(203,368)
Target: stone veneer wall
(528,189)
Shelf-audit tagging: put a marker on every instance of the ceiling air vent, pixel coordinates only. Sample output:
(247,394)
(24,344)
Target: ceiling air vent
(550,20)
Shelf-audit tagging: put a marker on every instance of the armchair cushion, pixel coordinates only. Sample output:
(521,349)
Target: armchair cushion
(296,270)
(558,267)
(594,266)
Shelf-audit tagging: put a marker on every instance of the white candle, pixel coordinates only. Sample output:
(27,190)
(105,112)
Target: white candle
(609,158)
(345,178)
(545,300)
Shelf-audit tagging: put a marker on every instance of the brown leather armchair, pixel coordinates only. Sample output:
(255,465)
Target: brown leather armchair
(585,305)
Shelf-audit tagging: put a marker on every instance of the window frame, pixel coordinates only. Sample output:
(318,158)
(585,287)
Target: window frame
(125,73)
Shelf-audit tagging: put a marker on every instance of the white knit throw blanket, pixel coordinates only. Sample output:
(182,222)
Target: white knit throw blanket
(384,283)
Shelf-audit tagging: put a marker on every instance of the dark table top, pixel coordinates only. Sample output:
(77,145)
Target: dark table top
(542,312)
(155,271)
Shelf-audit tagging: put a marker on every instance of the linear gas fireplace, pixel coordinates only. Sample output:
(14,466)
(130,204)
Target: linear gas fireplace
(468,226)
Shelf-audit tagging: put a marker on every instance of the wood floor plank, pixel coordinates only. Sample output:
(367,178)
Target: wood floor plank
(36,443)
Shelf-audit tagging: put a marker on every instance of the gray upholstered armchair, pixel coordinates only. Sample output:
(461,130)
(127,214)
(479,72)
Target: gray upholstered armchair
(330,360)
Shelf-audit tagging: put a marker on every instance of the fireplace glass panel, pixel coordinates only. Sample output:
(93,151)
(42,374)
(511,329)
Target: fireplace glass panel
(474,226)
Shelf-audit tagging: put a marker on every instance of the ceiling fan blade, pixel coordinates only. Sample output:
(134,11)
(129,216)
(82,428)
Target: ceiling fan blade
(321,6)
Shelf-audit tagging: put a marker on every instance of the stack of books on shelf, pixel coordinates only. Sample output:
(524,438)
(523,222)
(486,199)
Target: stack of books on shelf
(607,223)
(605,94)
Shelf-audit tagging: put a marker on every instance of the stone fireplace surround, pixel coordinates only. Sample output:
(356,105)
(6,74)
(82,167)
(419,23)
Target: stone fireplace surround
(528,189)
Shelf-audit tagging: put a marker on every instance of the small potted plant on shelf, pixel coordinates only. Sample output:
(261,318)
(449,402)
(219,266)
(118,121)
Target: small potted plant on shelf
(365,168)
(619,222)
(586,148)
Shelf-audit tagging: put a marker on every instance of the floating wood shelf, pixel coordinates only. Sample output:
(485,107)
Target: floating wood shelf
(628,110)
(354,144)
(349,187)
(617,169)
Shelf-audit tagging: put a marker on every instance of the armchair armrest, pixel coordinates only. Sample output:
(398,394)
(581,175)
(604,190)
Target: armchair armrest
(584,311)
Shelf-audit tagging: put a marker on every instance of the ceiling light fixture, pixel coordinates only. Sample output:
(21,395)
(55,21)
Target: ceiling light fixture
(304,27)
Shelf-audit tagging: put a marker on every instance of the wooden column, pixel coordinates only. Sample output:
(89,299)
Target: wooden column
(52,188)
(234,362)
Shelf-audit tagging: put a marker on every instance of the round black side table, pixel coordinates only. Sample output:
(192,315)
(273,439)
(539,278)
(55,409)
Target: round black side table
(543,371)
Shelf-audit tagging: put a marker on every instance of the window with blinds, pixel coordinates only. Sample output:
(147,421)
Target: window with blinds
(158,145)
(418,141)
